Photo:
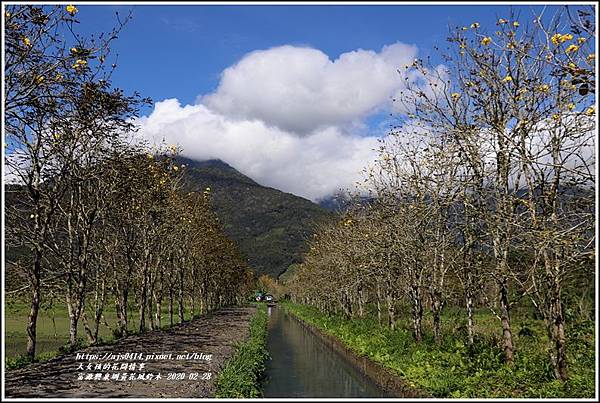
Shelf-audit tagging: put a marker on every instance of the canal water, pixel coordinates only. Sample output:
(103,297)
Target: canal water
(301,365)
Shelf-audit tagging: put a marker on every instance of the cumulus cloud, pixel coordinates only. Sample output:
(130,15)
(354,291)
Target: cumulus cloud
(289,117)
(302,89)
(310,166)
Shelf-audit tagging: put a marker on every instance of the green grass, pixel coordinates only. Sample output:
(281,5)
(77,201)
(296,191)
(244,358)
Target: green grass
(456,370)
(242,373)
(52,335)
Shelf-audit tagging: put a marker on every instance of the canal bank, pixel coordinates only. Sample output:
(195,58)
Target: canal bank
(306,362)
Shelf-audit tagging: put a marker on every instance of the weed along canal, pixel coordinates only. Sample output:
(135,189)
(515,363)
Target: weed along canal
(302,365)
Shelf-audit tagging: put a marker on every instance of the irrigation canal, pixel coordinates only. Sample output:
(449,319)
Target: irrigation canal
(302,365)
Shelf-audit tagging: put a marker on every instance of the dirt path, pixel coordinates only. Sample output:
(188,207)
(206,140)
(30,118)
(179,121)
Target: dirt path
(211,338)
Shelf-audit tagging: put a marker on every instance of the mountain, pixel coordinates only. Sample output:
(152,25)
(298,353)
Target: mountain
(269,226)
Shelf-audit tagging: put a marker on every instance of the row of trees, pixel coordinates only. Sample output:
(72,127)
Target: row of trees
(95,215)
(486,189)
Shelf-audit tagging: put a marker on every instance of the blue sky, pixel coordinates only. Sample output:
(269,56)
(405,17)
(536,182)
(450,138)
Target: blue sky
(295,97)
(172,51)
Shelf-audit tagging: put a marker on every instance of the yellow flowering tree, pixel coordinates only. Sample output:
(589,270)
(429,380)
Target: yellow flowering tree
(524,125)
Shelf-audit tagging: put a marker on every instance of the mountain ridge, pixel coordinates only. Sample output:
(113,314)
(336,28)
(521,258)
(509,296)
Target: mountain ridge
(270,226)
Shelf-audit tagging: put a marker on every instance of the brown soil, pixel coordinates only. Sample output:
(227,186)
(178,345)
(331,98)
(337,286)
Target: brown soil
(213,334)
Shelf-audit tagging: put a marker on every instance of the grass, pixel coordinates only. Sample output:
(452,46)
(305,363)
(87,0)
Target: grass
(53,330)
(456,370)
(241,376)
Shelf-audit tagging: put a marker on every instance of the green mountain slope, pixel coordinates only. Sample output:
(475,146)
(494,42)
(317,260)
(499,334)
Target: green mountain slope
(269,226)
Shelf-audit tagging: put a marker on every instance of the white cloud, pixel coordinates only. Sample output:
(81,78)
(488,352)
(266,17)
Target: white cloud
(301,89)
(310,166)
(289,117)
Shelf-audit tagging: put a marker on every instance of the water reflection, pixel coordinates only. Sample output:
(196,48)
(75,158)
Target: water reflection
(302,365)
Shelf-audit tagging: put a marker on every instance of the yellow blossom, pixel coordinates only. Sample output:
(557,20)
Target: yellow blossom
(26,41)
(475,25)
(455,95)
(572,48)
(7,14)
(510,45)
(39,79)
(545,88)
(572,65)
(507,79)
(464,28)
(571,106)
(150,156)
(591,56)
(71,9)
(502,21)
(79,63)
(56,136)
(175,168)
(581,40)
(566,37)
(590,111)
(555,116)
(207,189)
(516,24)
(486,41)
(556,39)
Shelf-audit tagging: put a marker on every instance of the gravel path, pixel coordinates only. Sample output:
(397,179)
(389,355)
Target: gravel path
(211,338)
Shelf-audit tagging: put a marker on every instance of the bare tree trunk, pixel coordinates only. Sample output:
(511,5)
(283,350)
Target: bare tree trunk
(171,306)
(560,340)
(181,307)
(99,308)
(417,313)
(556,333)
(391,311)
(417,320)
(35,306)
(158,298)
(505,319)
(361,306)
(470,322)
(436,308)
(73,320)
(142,308)
(86,327)
(378,291)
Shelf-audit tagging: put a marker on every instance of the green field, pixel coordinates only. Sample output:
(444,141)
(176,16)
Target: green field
(456,370)
(53,327)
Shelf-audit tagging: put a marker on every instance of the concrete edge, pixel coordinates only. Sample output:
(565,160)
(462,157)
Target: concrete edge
(382,376)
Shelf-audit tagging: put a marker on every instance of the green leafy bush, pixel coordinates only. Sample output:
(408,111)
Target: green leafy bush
(241,376)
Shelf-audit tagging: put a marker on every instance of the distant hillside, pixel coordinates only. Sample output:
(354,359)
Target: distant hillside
(269,226)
